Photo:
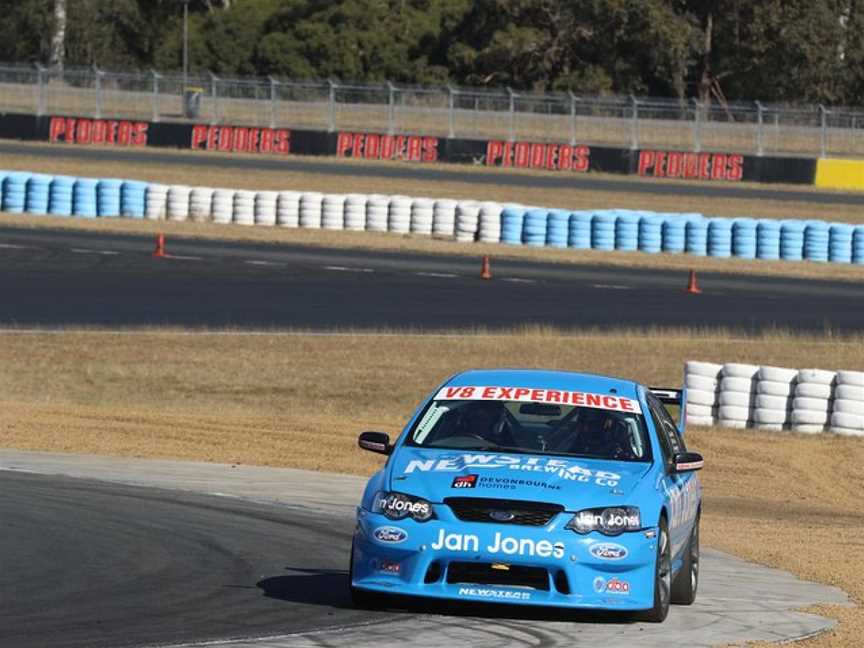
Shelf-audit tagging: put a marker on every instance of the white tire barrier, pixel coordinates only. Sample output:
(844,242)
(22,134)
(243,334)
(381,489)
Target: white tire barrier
(288,209)
(223,205)
(244,208)
(814,393)
(855,378)
(848,406)
(735,398)
(768,402)
(770,416)
(701,411)
(812,404)
(700,420)
(708,369)
(467,220)
(738,370)
(489,222)
(847,417)
(399,215)
(156,202)
(201,204)
(813,390)
(773,388)
(177,205)
(377,207)
(265,207)
(735,384)
(355,212)
(701,383)
(310,210)
(737,394)
(444,218)
(777,374)
(806,428)
(817,376)
(849,392)
(702,380)
(333,212)
(422,216)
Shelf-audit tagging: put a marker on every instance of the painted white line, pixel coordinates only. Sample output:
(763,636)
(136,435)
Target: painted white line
(183,258)
(265,263)
(346,269)
(611,287)
(12,246)
(443,275)
(88,251)
(518,280)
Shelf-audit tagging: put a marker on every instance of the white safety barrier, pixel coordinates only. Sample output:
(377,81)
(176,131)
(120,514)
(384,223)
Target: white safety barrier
(809,401)
(489,222)
(223,206)
(155,201)
(377,208)
(444,218)
(399,215)
(333,212)
(201,204)
(244,207)
(265,207)
(177,207)
(288,209)
(310,209)
(467,219)
(422,215)
(355,212)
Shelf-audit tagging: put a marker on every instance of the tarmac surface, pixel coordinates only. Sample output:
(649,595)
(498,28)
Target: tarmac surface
(105,552)
(57,278)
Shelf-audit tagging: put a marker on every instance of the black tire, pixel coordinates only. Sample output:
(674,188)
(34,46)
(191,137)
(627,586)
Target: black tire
(362,599)
(662,577)
(687,579)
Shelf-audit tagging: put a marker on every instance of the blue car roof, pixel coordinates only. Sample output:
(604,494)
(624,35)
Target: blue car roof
(546,379)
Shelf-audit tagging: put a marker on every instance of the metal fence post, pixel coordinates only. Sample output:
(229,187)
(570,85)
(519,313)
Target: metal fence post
(697,125)
(823,131)
(155,96)
(331,125)
(451,133)
(760,135)
(98,85)
(214,95)
(273,84)
(511,126)
(634,123)
(40,96)
(572,118)
(391,108)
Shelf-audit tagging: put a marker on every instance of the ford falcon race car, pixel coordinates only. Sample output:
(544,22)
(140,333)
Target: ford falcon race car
(533,487)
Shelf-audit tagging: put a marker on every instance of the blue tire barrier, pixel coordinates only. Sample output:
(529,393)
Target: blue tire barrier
(744,240)
(792,240)
(696,241)
(512,219)
(60,196)
(720,237)
(15,192)
(108,197)
(133,199)
(651,233)
(627,231)
(579,237)
(858,245)
(816,234)
(557,228)
(37,194)
(768,239)
(534,227)
(603,225)
(840,243)
(84,201)
(674,233)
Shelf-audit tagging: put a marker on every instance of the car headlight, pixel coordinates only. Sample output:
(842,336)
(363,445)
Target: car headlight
(608,521)
(398,506)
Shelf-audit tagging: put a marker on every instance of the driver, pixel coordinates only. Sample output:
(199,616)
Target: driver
(601,434)
(487,420)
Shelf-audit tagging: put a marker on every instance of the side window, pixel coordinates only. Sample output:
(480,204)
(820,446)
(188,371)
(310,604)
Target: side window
(667,431)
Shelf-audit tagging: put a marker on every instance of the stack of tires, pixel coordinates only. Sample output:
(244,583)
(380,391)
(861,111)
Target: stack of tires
(265,207)
(422,215)
(651,233)
(489,222)
(310,210)
(814,398)
(156,201)
(557,226)
(355,212)
(603,230)
(792,240)
(534,227)
(840,243)
(673,231)
(816,241)
(702,380)
(768,239)
(775,390)
(178,202)
(377,208)
(579,236)
(244,207)
(333,212)
(858,245)
(133,198)
(60,196)
(627,231)
(38,190)
(444,218)
(467,220)
(288,209)
(512,222)
(847,416)
(737,394)
(15,192)
(720,238)
(399,215)
(201,204)
(223,206)
(744,241)
(696,237)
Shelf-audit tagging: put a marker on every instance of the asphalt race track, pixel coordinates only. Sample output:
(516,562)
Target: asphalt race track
(431,173)
(176,553)
(56,278)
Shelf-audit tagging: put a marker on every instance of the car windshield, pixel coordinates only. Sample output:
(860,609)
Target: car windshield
(535,428)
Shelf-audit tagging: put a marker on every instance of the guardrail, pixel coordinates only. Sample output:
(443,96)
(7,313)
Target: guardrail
(463,220)
(620,121)
(810,401)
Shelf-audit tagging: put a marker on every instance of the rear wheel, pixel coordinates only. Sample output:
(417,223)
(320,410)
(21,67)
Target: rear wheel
(362,599)
(662,576)
(687,580)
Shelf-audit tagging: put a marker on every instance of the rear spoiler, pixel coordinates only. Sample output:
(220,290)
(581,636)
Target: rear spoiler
(677,397)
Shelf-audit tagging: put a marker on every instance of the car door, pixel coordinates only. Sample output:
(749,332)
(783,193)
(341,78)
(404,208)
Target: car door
(681,489)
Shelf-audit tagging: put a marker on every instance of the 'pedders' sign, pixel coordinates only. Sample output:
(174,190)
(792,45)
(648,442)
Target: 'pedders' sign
(373,146)
(691,166)
(118,132)
(240,139)
(534,155)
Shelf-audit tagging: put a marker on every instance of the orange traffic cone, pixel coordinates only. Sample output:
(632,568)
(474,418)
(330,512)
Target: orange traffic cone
(692,286)
(160,246)
(485,272)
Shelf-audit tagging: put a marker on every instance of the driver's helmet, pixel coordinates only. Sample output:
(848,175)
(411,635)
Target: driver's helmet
(600,432)
(481,417)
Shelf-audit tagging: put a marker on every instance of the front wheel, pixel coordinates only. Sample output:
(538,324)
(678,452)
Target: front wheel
(662,577)
(687,580)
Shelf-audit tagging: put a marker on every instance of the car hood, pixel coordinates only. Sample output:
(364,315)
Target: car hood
(573,482)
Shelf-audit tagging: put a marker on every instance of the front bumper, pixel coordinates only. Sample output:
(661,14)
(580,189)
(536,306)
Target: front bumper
(504,563)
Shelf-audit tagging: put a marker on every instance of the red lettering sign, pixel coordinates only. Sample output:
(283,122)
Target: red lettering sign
(97,131)
(691,166)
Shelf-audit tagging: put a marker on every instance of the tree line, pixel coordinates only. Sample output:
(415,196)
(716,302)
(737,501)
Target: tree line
(790,51)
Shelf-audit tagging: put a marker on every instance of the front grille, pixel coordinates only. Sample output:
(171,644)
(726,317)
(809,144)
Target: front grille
(470,509)
(483,574)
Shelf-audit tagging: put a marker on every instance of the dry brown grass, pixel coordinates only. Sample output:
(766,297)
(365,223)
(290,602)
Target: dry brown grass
(297,399)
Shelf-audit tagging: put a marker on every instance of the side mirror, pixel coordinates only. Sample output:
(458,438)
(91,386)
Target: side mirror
(375,442)
(687,462)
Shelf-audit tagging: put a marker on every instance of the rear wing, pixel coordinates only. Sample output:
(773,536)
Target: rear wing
(676,397)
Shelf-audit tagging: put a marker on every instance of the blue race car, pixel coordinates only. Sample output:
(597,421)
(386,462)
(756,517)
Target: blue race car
(534,487)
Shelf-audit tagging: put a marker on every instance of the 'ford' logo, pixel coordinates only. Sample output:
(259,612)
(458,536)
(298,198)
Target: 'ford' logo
(392,535)
(501,516)
(608,551)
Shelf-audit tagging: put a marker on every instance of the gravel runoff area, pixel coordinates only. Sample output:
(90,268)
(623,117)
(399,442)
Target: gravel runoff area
(298,400)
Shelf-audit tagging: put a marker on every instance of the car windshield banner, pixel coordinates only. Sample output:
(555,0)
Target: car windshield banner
(530,395)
